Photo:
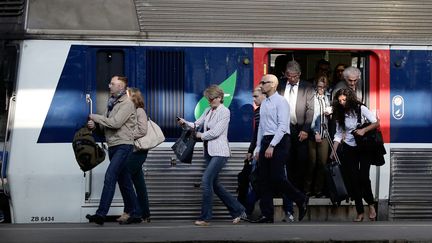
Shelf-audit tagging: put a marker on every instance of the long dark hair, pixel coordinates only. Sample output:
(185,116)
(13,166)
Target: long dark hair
(351,105)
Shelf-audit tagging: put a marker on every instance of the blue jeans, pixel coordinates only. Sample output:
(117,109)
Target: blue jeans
(134,165)
(118,172)
(210,183)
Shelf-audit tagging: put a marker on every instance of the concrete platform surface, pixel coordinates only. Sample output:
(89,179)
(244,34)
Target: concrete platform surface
(220,231)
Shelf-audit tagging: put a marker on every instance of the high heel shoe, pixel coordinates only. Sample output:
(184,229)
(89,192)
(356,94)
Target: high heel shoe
(372,213)
(359,218)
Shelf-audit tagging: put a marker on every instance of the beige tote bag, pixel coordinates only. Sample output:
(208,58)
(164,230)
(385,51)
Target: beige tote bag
(153,138)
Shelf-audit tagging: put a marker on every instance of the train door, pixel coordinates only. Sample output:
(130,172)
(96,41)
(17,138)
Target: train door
(106,62)
(373,86)
(8,64)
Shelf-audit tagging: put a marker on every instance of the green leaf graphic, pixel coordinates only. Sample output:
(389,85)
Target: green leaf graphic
(228,86)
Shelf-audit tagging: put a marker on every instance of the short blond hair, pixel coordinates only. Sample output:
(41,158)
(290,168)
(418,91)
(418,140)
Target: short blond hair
(213,92)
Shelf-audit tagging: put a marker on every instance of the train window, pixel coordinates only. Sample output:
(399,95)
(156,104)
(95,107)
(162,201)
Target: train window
(108,63)
(311,67)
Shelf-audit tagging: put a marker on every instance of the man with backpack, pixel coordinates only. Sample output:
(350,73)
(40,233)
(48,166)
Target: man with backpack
(118,124)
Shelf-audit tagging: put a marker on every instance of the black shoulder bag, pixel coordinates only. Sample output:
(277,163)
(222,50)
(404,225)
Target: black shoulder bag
(371,144)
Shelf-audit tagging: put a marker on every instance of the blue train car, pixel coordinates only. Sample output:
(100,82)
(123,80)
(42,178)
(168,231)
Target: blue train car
(54,55)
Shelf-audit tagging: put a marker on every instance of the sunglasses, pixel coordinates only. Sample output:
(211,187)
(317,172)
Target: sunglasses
(264,82)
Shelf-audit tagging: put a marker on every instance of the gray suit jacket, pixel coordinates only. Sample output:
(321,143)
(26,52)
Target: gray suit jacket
(305,103)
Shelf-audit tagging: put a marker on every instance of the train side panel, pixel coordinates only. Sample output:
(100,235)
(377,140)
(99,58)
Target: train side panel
(54,78)
(44,181)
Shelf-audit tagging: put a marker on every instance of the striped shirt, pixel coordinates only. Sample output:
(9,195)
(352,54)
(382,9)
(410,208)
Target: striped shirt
(215,124)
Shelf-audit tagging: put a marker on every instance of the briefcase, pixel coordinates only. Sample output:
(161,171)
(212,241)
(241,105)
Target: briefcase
(184,146)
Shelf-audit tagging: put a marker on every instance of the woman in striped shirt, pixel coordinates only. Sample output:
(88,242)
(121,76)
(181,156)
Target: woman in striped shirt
(215,121)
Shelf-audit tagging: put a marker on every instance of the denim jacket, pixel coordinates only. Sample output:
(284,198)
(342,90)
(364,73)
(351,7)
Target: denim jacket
(316,121)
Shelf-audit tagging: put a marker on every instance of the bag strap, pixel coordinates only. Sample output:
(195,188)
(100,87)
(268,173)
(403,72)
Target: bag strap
(148,120)
(327,135)
(358,112)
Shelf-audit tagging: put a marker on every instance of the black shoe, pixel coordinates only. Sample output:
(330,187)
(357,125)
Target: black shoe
(131,220)
(246,218)
(302,208)
(95,219)
(263,220)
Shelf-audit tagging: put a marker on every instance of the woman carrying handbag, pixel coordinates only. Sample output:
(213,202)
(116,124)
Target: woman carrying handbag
(215,121)
(344,105)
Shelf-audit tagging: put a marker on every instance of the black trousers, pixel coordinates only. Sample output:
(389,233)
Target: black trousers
(272,176)
(358,169)
(298,159)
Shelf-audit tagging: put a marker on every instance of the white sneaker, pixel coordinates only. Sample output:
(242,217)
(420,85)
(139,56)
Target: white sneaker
(288,218)
(242,216)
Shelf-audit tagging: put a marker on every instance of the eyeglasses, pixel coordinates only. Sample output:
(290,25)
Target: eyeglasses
(320,87)
(340,70)
(211,99)
(352,80)
(265,82)
(255,96)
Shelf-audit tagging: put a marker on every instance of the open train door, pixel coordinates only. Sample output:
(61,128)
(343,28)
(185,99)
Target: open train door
(373,62)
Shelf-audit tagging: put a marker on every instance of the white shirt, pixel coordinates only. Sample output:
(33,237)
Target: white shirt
(351,125)
(292,100)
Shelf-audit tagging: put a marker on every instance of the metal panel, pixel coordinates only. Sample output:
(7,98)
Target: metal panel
(81,16)
(11,19)
(11,8)
(410,190)
(287,20)
(174,188)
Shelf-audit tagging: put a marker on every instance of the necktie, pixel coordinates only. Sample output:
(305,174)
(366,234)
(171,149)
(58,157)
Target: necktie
(292,103)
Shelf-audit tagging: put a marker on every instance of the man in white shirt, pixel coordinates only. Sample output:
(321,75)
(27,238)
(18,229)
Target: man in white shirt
(300,96)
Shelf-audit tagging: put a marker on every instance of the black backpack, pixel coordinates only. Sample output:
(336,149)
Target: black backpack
(88,154)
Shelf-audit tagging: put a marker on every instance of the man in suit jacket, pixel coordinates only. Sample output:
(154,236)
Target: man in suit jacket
(299,94)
